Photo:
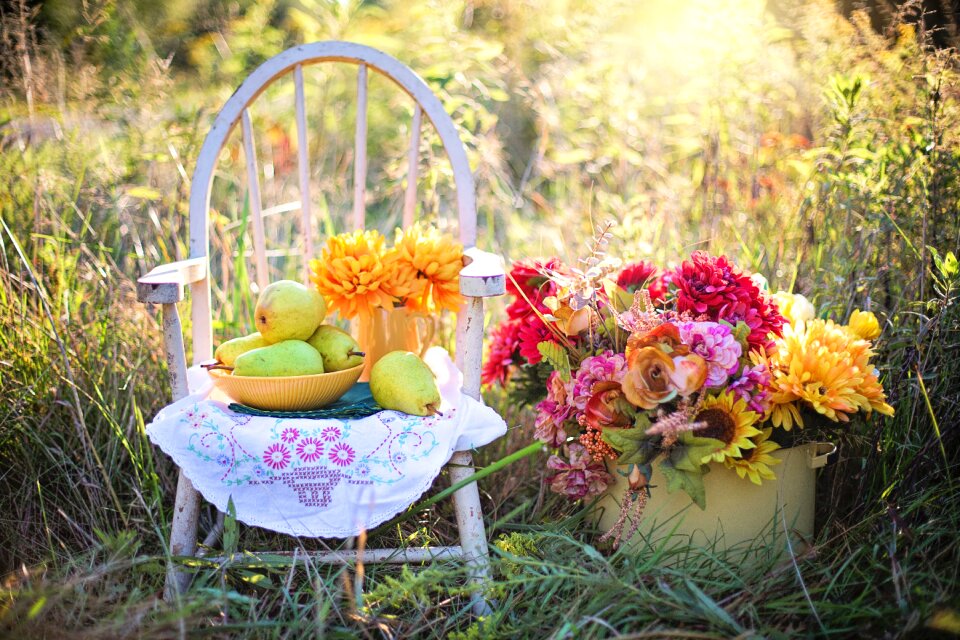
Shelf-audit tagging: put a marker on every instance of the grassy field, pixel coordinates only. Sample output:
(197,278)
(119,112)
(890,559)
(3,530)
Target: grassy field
(809,146)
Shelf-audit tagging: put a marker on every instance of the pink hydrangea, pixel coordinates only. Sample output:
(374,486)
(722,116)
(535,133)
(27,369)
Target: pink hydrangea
(753,386)
(579,475)
(714,343)
(606,367)
(553,412)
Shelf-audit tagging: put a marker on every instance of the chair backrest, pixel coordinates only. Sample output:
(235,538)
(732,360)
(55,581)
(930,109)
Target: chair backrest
(236,110)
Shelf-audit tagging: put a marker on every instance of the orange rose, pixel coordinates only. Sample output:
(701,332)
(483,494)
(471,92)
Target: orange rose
(666,334)
(689,373)
(606,407)
(647,382)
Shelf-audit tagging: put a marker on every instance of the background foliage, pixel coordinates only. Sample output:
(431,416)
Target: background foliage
(819,149)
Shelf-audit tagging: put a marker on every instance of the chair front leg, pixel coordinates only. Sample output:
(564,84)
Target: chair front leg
(473,536)
(186,507)
(466,501)
(183,536)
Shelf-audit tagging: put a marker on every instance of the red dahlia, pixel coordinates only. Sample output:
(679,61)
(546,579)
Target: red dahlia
(532,332)
(502,354)
(715,287)
(642,273)
(530,276)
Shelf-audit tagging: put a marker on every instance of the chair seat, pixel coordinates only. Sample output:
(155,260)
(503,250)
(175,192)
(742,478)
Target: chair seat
(381,556)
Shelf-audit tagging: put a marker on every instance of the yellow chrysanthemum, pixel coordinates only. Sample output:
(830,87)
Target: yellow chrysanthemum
(824,366)
(794,307)
(864,324)
(755,463)
(354,275)
(431,263)
(729,421)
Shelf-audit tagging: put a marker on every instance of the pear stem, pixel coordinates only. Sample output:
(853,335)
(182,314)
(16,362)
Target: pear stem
(216,365)
(356,353)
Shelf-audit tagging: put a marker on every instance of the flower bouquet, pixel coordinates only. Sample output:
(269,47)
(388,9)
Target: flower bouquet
(632,366)
(394,292)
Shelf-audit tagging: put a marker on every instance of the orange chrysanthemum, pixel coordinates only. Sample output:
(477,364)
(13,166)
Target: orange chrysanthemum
(356,276)
(429,263)
(826,367)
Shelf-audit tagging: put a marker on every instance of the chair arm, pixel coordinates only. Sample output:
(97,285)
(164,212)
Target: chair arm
(482,275)
(164,284)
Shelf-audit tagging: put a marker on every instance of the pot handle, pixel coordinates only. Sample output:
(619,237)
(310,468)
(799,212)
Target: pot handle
(818,454)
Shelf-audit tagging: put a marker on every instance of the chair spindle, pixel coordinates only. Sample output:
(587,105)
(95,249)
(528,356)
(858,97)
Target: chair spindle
(303,164)
(413,162)
(360,151)
(253,189)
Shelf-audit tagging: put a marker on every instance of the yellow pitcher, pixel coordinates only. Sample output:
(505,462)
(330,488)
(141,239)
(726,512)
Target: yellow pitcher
(397,329)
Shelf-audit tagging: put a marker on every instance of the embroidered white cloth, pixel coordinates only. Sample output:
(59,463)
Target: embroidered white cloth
(319,478)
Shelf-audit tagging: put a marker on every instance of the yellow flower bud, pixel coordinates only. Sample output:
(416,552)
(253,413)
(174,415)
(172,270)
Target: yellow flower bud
(864,324)
(794,307)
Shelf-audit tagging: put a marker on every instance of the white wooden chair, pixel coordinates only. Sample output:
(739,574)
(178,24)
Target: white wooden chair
(481,277)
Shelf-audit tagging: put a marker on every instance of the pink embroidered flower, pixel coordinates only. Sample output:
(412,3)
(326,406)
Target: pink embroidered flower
(579,476)
(330,434)
(501,355)
(310,449)
(342,454)
(276,456)
(195,417)
(290,435)
(553,412)
(606,367)
(714,343)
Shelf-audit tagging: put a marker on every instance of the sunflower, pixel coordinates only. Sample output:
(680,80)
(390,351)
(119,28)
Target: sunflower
(825,367)
(755,463)
(354,276)
(431,263)
(729,421)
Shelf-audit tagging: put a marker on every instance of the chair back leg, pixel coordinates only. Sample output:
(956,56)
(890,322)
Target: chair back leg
(473,537)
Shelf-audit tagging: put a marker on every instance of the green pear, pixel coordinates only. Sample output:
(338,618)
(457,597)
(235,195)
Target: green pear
(287,310)
(338,348)
(403,382)
(227,352)
(287,358)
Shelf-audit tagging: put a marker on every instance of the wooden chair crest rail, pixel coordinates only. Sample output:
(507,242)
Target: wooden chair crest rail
(482,276)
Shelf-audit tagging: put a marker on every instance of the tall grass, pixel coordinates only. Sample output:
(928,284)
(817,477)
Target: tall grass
(816,151)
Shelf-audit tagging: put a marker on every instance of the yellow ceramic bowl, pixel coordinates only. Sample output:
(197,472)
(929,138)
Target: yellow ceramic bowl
(288,393)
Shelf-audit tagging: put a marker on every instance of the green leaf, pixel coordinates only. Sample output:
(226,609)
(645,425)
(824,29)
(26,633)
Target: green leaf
(143,193)
(620,299)
(741,332)
(231,532)
(634,445)
(556,355)
(689,481)
(690,450)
